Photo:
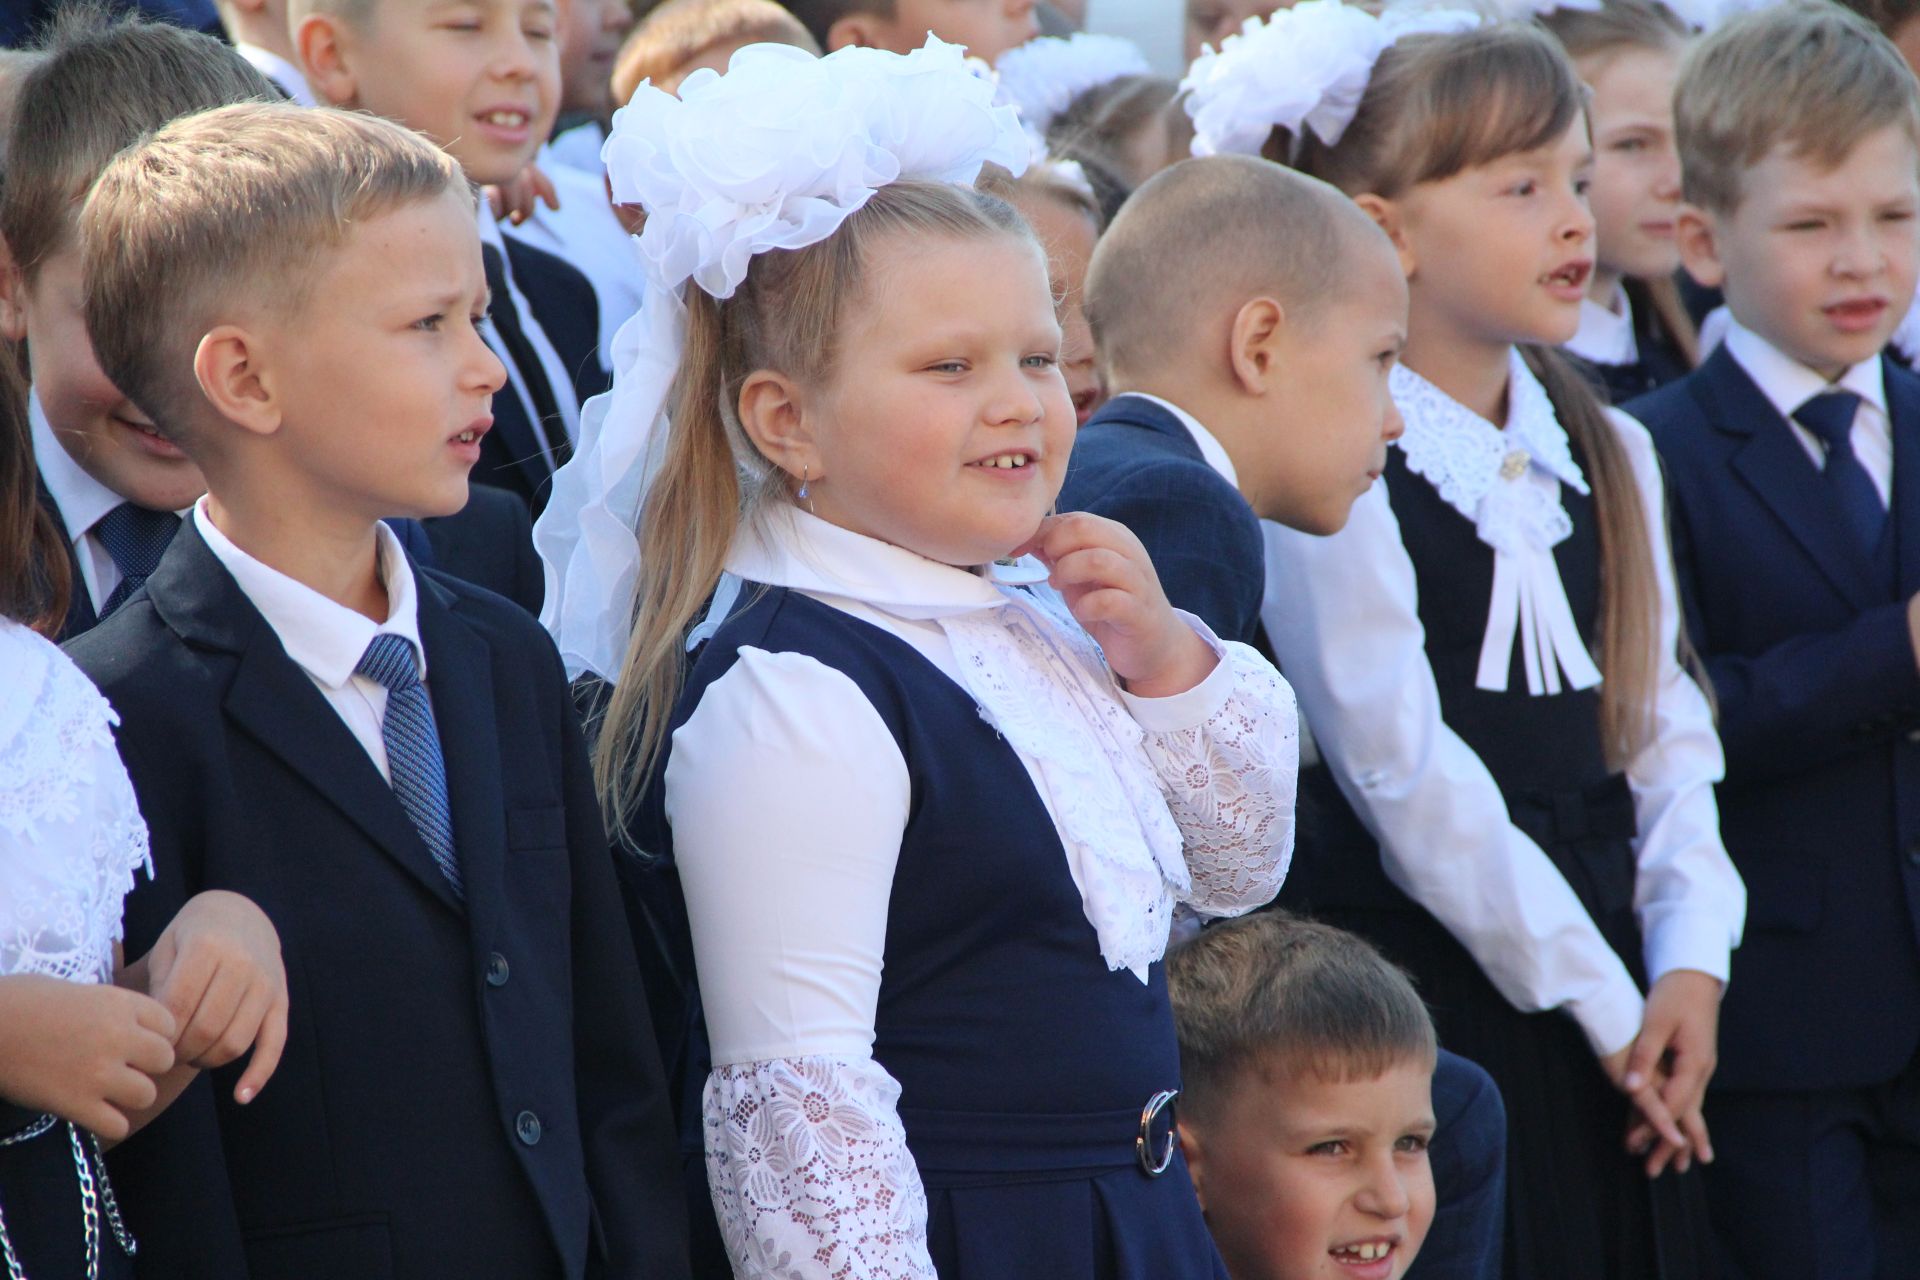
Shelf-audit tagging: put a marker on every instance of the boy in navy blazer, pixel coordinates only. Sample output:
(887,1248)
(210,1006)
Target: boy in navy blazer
(384,758)
(1793,456)
(1275,407)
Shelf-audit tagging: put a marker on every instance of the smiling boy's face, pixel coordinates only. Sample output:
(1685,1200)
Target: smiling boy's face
(1308,1179)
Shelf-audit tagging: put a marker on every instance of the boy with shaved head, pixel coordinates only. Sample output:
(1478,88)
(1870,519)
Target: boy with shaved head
(1245,318)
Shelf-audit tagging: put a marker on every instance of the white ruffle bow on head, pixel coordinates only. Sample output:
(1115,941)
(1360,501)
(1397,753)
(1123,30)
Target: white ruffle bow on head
(1042,77)
(1302,68)
(775,154)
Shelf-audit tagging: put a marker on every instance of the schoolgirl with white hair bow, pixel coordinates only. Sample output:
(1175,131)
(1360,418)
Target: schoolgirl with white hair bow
(1489,653)
(932,799)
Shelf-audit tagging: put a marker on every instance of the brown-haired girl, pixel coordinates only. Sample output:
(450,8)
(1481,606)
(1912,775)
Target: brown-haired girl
(1547,839)
(1635,334)
(931,804)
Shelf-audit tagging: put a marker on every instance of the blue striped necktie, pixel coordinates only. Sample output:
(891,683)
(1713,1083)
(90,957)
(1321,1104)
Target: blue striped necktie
(1830,416)
(414,763)
(136,539)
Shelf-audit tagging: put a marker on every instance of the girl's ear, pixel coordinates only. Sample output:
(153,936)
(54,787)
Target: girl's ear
(1697,234)
(1259,329)
(1391,218)
(772,414)
(228,368)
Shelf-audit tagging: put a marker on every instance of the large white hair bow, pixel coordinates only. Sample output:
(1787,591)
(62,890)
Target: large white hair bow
(1303,68)
(774,154)
(1043,77)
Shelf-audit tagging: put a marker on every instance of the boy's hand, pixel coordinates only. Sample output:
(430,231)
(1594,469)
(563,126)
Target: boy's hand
(1677,1045)
(217,968)
(1653,1116)
(1108,582)
(517,200)
(87,1052)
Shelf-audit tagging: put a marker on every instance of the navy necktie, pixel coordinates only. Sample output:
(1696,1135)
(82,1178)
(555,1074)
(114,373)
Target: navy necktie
(136,539)
(414,763)
(1829,416)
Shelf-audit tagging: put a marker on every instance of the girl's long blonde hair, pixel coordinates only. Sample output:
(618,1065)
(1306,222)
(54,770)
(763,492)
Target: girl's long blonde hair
(1440,104)
(784,316)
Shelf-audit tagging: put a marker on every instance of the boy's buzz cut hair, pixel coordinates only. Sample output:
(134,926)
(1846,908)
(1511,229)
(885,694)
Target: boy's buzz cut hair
(1806,74)
(97,84)
(222,209)
(1287,998)
(818,16)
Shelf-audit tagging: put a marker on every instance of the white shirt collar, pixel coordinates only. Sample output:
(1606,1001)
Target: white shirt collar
(1788,384)
(326,639)
(1605,335)
(81,498)
(1211,449)
(280,71)
(490,232)
(792,548)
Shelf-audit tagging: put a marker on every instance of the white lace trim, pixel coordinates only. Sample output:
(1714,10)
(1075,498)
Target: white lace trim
(71,835)
(1508,483)
(808,1166)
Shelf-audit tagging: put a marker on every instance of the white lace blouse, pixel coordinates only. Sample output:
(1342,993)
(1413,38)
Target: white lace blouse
(1343,616)
(1157,801)
(71,836)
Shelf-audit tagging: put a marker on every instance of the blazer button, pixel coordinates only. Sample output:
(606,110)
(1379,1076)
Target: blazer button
(497,970)
(527,1127)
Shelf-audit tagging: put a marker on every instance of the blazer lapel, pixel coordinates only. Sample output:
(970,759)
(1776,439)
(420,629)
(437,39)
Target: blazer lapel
(274,702)
(1903,412)
(460,682)
(1774,465)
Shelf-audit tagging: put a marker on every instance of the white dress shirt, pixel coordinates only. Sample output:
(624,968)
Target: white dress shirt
(1787,384)
(1342,612)
(326,639)
(585,232)
(280,71)
(558,377)
(1605,335)
(579,148)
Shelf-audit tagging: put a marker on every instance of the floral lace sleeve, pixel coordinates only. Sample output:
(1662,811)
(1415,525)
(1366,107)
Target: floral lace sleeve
(1230,783)
(810,1173)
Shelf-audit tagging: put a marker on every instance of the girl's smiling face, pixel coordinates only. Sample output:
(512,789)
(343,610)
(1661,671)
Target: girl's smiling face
(1636,168)
(944,424)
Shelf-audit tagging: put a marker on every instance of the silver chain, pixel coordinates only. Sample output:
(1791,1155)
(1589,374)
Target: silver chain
(90,1200)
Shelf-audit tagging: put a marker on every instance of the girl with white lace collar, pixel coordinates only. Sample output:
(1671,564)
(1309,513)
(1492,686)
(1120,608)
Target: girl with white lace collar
(932,802)
(1547,838)
(92,1048)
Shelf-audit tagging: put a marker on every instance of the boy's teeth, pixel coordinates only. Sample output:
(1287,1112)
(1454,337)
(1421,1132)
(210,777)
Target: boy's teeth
(1007,461)
(1365,1252)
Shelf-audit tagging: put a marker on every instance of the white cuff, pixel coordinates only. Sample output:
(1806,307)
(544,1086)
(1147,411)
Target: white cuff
(1197,705)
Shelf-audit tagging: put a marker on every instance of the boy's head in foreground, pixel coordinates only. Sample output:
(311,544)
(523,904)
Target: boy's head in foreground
(1308,1061)
(1266,304)
(988,28)
(293,295)
(97,85)
(480,78)
(1799,134)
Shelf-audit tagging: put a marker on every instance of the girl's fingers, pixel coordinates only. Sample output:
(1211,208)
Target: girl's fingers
(211,1018)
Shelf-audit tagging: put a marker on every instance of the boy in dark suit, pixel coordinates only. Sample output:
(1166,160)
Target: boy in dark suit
(385,759)
(486,88)
(1275,406)
(1793,455)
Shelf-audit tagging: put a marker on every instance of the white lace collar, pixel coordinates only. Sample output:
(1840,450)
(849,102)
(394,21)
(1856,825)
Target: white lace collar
(1508,483)
(1043,684)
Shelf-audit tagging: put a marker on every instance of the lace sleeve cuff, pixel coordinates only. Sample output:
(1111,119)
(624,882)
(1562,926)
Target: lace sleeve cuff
(810,1173)
(1230,784)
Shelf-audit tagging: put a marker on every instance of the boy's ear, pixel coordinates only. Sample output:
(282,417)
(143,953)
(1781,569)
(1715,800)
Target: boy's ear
(1697,235)
(862,30)
(1196,1153)
(324,44)
(772,415)
(13,296)
(1253,351)
(228,368)
(1387,215)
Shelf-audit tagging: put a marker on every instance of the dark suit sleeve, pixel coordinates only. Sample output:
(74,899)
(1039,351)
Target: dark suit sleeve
(1810,700)
(1204,544)
(625,1122)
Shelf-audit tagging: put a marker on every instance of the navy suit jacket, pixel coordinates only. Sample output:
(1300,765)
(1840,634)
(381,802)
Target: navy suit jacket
(1138,464)
(468,1089)
(1819,697)
(567,308)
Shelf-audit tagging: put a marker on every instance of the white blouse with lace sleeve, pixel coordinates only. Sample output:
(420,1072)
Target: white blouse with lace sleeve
(71,836)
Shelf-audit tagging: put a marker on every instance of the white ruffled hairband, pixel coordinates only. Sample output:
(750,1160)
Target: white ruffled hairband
(775,154)
(1304,68)
(1043,77)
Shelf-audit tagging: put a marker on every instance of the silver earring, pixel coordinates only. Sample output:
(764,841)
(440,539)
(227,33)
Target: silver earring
(802,495)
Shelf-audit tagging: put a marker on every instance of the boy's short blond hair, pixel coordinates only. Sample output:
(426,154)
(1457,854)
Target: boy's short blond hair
(1283,998)
(1806,74)
(675,33)
(225,210)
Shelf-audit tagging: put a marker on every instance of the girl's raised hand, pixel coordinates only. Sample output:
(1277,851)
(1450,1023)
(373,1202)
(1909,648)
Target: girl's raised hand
(86,1052)
(1109,584)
